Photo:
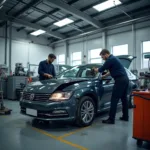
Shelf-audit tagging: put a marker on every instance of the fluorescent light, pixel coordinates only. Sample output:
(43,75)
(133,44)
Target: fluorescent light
(106,5)
(38,32)
(63,22)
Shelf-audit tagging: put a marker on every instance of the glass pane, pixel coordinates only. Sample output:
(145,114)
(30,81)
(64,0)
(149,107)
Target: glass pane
(61,63)
(120,50)
(61,58)
(96,60)
(76,56)
(145,63)
(77,62)
(95,53)
(71,73)
(146,46)
(88,73)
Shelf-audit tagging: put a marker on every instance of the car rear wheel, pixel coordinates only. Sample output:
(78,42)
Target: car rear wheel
(85,112)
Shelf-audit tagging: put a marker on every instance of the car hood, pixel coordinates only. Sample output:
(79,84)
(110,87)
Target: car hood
(49,86)
(126,60)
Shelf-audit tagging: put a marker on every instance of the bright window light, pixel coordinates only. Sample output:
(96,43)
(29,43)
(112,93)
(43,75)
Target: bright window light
(106,5)
(63,22)
(145,50)
(94,56)
(120,50)
(38,32)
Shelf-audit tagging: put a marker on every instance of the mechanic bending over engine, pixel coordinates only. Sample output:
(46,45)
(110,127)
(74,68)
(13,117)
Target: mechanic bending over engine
(46,69)
(117,71)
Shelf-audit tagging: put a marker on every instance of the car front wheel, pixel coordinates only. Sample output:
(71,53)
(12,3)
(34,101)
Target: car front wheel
(85,111)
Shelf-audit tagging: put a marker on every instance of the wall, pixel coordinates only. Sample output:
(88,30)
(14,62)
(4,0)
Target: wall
(112,37)
(141,35)
(25,48)
(28,53)
(2,50)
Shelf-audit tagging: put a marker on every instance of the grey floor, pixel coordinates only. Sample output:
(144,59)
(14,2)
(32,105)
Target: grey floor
(18,133)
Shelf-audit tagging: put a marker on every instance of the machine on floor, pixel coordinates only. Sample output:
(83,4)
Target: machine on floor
(16,82)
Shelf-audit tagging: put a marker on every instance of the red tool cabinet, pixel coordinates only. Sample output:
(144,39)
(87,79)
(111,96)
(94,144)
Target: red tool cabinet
(141,117)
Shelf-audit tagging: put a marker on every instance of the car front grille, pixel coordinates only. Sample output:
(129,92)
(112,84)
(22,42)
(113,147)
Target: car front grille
(36,97)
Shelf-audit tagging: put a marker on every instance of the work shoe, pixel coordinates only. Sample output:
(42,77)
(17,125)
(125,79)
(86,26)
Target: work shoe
(124,119)
(108,121)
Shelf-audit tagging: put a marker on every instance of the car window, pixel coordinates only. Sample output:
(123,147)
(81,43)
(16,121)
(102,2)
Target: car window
(87,72)
(70,73)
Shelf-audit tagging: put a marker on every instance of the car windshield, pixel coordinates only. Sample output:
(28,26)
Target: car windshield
(80,72)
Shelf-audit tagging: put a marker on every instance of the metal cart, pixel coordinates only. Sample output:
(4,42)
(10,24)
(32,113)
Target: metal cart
(141,116)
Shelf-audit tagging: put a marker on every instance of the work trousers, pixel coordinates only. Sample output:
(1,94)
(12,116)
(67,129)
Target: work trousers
(120,91)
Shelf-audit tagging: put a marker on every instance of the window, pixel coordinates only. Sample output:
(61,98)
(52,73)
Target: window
(145,49)
(70,73)
(76,58)
(61,59)
(94,56)
(120,50)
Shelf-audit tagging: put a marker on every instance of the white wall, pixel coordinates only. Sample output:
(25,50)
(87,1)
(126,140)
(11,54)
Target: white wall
(141,35)
(114,37)
(25,48)
(2,51)
(28,53)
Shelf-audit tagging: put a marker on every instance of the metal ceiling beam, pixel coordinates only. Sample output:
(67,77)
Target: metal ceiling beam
(27,7)
(99,30)
(32,25)
(118,18)
(52,12)
(47,14)
(75,12)
(98,13)
(24,9)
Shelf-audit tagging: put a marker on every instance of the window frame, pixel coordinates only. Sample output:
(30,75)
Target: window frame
(61,62)
(143,53)
(72,60)
(120,45)
(96,58)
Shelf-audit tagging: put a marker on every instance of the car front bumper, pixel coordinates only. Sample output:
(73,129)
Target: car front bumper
(49,110)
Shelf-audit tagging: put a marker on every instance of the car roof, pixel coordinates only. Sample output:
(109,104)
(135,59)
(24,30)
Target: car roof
(88,65)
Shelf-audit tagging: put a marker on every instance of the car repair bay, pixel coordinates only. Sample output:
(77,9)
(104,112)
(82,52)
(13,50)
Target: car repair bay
(17,132)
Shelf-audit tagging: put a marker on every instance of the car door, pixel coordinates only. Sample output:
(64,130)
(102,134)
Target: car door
(106,92)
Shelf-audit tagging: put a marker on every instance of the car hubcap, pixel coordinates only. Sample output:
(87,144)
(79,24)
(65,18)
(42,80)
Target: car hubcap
(87,111)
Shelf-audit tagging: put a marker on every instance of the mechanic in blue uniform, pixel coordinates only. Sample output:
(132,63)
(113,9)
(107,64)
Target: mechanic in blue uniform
(46,69)
(120,89)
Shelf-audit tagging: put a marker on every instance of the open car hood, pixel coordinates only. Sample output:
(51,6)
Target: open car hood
(126,60)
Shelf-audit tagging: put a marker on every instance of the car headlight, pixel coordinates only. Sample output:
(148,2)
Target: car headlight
(60,96)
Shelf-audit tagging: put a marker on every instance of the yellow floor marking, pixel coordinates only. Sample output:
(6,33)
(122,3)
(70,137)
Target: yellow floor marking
(73,132)
(60,139)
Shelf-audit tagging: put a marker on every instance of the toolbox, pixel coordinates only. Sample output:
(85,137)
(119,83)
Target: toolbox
(141,116)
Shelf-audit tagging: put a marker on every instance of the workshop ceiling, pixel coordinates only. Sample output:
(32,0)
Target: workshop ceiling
(32,15)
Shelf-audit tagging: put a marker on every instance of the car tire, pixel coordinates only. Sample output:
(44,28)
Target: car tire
(82,115)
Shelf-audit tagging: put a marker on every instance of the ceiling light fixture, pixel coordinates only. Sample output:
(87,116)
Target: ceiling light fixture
(106,5)
(38,32)
(63,22)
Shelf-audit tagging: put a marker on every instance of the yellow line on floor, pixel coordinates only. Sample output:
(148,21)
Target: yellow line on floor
(73,132)
(60,139)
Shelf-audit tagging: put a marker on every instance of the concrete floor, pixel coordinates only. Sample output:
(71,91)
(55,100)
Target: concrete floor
(18,133)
